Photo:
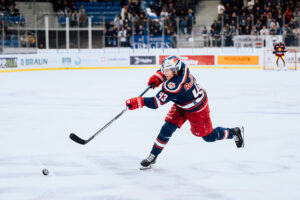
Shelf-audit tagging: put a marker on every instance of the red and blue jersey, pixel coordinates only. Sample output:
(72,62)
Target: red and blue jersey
(183,90)
(279,49)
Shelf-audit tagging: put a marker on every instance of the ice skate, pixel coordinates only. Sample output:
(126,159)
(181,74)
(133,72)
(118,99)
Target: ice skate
(239,136)
(148,162)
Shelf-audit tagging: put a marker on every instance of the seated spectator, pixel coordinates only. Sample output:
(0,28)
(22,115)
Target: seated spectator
(215,39)
(24,40)
(13,10)
(113,37)
(155,28)
(247,30)
(232,23)
(134,18)
(82,17)
(187,26)
(264,31)
(82,10)
(60,13)
(258,24)
(143,5)
(216,26)
(286,30)
(73,8)
(243,21)
(234,16)
(75,19)
(122,37)
(227,32)
(117,22)
(255,31)
(296,15)
(288,14)
(164,13)
(173,14)
(250,4)
(292,23)
(227,19)
(296,33)
(233,31)
(205,36)
(128,36)
(141,31)
(273,30)
(68,12)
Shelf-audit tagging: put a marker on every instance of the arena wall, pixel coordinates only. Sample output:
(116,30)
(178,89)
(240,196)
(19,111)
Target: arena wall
(211,58)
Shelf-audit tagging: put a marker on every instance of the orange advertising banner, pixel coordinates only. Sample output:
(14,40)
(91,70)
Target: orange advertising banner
(194,60)
(238,60)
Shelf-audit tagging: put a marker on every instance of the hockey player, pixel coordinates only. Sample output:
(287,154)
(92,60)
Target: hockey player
(190,103)
(279,50)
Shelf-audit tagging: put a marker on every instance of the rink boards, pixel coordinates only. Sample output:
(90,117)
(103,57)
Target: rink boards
(215,58)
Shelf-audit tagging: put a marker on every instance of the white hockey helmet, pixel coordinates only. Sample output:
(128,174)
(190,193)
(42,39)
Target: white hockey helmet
(171,62)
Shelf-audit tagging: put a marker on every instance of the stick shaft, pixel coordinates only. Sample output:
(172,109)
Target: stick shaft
(77,139)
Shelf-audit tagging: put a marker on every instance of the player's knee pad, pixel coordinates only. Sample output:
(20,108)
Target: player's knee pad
(167,129)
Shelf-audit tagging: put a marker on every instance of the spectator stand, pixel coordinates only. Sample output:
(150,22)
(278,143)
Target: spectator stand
(150,24)
(255,17)
(10,19)
(80,11)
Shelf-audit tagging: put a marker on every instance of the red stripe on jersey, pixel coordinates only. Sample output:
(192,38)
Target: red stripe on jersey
(155,102)
(188,102)
(204,98)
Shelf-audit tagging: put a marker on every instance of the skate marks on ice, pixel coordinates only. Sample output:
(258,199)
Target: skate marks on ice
(113,176)
(164,182)
(22,178)
(246,167)
(32,165)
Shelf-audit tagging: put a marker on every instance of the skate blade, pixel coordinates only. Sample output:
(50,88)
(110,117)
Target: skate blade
(242,130)
(145,168)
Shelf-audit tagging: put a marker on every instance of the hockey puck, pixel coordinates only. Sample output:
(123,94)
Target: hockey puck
(45,172)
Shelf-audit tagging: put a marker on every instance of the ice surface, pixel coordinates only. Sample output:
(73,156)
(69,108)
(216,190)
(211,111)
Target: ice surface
(38,110)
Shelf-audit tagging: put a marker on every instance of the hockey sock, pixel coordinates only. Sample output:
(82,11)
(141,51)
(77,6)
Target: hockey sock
(219,133)
(163,137)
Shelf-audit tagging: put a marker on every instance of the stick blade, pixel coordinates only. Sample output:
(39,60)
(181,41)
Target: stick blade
(77,139)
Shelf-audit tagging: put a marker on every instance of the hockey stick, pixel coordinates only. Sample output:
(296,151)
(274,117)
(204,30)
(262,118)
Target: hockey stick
(79,140)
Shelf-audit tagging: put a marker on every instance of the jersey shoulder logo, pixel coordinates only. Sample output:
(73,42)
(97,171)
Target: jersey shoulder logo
(171,85)
(187,86)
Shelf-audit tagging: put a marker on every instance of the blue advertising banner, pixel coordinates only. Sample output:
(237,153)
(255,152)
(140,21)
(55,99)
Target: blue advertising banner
(152,42)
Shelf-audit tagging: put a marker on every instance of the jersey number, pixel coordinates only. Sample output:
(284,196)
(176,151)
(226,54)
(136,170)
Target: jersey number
(196,92)
(163,97)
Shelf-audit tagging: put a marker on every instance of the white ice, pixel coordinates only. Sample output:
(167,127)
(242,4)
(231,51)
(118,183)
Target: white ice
(38,111)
